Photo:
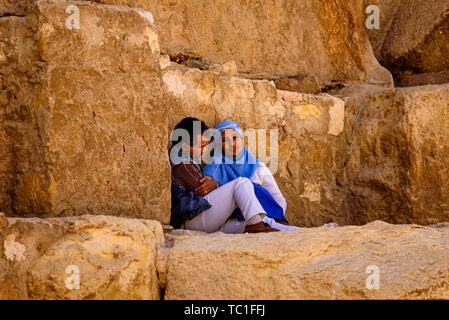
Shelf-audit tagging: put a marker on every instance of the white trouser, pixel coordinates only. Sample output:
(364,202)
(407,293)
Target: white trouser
(236,193)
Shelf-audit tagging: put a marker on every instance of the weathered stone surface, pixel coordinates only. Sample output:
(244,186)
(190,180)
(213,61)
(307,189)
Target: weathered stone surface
(116,258)
(88,121)
(409,79)
(269,35)
(3,221)
(316,263)
(286,38)
(15,7)
(228,68)
(85,122)
(418,38)
(309,128)
(309,84)
(290,96)
(396,162)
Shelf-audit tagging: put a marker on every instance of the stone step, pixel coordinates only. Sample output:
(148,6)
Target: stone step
(374,261)
(105,257)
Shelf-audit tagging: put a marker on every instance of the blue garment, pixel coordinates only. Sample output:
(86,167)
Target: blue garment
(225,169)
(271,207)
(185,205)
(243,165)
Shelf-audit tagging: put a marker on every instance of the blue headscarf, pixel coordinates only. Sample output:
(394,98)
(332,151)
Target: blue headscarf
(224,169)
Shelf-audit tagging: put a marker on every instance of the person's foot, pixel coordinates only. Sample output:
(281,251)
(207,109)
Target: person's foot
(279,226)
(259,227)
(285,223)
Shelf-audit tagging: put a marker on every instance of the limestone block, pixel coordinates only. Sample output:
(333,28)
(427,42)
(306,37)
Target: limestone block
(88,257)
(396,164)
(89,123)
(353,262)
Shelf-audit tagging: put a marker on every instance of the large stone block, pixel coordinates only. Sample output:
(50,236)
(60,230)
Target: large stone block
(316,263)
(115,258)
(415,36)
(265,39)
(397,164)
(87,112)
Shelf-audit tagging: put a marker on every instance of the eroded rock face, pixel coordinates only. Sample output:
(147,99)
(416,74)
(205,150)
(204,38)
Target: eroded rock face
(418,38)
(410,79)
(88,119)
(86,114)
(397,165)
(115,258)
(413,38)
(317,263)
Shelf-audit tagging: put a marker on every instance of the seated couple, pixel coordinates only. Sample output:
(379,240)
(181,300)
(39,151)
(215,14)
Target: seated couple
(235,193)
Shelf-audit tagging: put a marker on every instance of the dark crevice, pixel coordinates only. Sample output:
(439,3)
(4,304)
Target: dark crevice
(7,14)
(191,60)
(162,294)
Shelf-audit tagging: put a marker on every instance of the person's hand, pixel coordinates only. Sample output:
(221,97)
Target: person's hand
(208,185)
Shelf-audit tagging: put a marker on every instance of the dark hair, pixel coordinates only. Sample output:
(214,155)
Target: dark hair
(188,125)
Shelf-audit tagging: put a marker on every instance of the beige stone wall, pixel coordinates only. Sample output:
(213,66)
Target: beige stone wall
(265,39)
(87,114)
(122,258)
(89,120)
(14,37)
(388,9)
(115,258)
(6,170)
(396,163)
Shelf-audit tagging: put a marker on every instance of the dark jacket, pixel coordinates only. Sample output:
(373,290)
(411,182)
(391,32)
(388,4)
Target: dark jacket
(185,205)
